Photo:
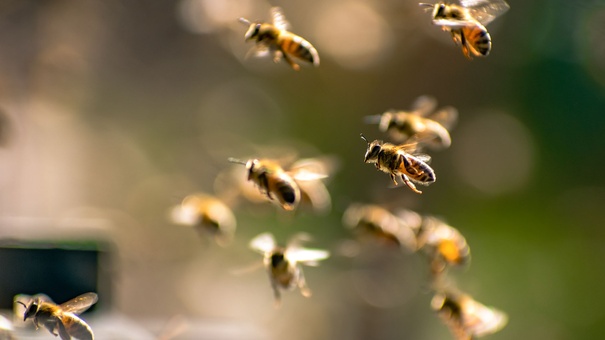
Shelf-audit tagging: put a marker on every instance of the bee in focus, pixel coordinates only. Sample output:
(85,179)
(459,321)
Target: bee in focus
(276,183)
(398,160)
(377,223)
(443,244)
(422,122)
(61,320)
(275,39)
(466,23)
(209,215)
(284,264)
(466,318)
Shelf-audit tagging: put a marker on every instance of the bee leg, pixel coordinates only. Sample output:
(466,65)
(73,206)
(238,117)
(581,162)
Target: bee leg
(276,295)
(302,285)
(394,179)
(410,184)
(294,65)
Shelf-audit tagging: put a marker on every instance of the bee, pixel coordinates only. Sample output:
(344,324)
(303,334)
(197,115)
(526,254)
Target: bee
(422,122)
(466,23)
(275,39)
(375,222)
(61,320)
(277,183)
(443,243)
(208,215)
(467,318)
(284,264)
(397,160)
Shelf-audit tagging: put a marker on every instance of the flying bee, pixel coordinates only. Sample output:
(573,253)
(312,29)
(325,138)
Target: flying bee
(397,160)
(277,183)
(466,23)
(284,264)
(208,215)
(61,320)
(275,39)
(443,244)
(466,318)
(377,223)
(422,122)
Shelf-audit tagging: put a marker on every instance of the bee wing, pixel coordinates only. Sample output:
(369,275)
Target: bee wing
(309,257)
(446,116)
(481,320)
(263,243)
(80,303)
(279,19)
(310,169)
(424,105)
(485,11)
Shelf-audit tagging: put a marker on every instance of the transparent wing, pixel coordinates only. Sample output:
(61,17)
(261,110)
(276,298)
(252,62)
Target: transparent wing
(424,105)
(263,243)
(485,11)
(480,320)
(279,19)
(446,116)
(309,257)
(80,303)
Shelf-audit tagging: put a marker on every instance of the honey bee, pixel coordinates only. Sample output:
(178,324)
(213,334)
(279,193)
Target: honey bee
(277,183)
(61,320)
(422,122)
(397,160)
(275,39)
(466,22)
(466,318)
(208,215)
(284,264)
(443,243)
(377,223)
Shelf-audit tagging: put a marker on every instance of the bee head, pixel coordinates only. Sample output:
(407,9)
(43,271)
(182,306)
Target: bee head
(253,31)
(252,165)
(372,151)
(30,310)
(277,258)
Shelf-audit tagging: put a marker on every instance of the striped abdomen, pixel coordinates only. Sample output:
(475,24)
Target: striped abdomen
(75,327)
(416,169)
(298,47)
(477,40)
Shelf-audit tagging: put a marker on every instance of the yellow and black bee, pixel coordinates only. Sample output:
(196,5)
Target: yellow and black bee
(466,318)
(277,183)
(422,123)
(444,245)
(276,40)
(283,264)
(61,320)
(208,215)
(397,160)
(466,22)
(377,223)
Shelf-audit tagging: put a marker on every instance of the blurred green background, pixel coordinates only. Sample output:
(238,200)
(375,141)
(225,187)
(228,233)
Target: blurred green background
(118,109)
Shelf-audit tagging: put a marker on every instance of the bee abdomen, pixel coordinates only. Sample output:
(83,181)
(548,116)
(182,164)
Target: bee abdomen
(288,195)
(301,48)
(76,327)
(480,38)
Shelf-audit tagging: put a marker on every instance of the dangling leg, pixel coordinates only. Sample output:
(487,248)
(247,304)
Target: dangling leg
(394,179)
(302,284)
(410,184)
(294,65)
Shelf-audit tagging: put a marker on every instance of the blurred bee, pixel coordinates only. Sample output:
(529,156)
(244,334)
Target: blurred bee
(284,264)
(421,122)
(466,22)
(277,183)
(275,39)
(467,318)
(61,320)
(377,223)
(208,215)
(314,192)
(443,243)
(397,160)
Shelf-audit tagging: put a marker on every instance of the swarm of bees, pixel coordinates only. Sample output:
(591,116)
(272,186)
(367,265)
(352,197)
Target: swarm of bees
(60,320)
(466,23)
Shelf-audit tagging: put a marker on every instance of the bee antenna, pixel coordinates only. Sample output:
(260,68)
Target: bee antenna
(424,4)
(364,138)
(244,21)
(236,161)
(24,305)
(373,119)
